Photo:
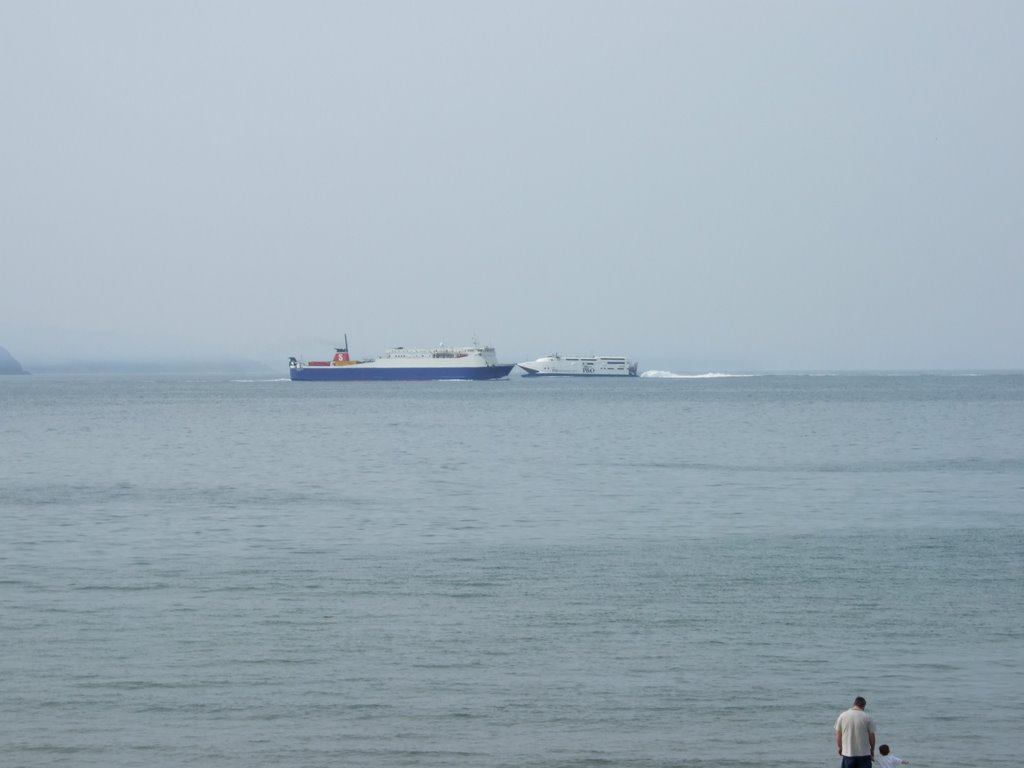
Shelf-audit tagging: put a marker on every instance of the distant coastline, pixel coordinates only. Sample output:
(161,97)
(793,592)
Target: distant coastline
(8,365)
(112,364)
(92,367)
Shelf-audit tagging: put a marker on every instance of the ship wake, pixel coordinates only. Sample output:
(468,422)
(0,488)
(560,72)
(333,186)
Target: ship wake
(709,375)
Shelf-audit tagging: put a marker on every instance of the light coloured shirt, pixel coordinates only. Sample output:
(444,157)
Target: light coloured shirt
(890,761)
(855,725)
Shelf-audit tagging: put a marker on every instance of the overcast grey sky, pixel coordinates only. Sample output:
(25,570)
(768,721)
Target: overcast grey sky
(777,185)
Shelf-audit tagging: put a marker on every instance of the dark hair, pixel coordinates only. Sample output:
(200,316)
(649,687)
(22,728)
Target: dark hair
(859,702)
(884,749)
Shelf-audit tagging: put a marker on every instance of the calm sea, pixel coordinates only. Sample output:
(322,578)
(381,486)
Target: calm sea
(206,571)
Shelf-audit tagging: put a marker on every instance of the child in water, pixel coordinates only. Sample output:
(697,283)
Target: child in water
(885,760)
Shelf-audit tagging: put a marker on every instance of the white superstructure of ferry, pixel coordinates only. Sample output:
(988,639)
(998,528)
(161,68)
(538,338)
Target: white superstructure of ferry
(596,365)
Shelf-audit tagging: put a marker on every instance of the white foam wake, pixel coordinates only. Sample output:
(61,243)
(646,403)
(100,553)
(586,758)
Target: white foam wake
(710,375)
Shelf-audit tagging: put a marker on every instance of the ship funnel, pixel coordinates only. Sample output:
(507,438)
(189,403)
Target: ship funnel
(341,353)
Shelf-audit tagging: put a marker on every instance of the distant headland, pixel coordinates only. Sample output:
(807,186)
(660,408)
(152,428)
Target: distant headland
(8,365)
(124,363)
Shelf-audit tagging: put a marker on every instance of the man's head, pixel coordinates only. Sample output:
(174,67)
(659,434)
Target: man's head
(859,702)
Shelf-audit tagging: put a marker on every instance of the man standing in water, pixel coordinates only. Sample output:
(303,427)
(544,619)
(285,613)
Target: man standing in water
(855,736)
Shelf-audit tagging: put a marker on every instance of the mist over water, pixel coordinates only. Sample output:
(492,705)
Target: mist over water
(649,572)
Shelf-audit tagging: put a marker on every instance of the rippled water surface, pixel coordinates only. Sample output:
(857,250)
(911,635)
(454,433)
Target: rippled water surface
(652,572)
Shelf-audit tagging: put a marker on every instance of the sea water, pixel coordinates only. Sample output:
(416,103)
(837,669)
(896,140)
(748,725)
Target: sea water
(225,572)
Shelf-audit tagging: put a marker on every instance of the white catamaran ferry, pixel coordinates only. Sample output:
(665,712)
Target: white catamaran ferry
(598,365)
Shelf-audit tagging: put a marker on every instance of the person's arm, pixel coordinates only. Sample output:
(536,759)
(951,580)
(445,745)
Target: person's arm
(871,741)
(839,741)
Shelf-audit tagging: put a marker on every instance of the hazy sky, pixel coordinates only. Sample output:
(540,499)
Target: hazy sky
(777,185)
